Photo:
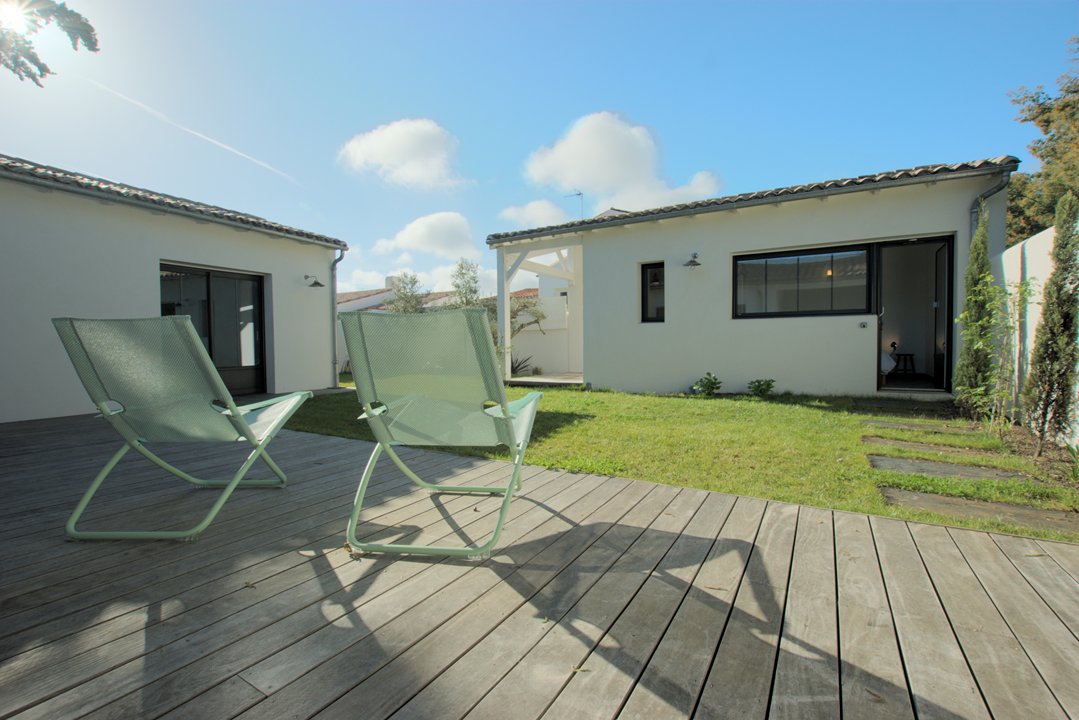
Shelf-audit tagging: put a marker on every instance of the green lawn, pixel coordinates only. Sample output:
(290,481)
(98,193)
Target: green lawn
(791,448)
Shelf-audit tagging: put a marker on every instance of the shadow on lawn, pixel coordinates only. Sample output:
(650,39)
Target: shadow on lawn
(870,405)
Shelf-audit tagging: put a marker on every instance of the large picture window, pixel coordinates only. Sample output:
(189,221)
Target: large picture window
(819,282)
(652,303)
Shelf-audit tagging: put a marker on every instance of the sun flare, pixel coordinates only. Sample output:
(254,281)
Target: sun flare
(14,17)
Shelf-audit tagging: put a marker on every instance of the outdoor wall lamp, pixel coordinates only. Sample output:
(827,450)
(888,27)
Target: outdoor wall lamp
(314,281)
(693,261)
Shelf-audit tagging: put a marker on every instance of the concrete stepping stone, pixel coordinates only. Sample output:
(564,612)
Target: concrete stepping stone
(961,429)
(930,447)
(936,468)
(1061,520)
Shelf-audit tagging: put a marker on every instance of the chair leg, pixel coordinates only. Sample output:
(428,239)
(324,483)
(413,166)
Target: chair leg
(161,463)
(473,552)
(188,534)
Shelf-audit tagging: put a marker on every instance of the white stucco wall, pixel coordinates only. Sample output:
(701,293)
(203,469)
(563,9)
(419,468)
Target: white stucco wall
(549,347)
(1030,261)
(831,355)
(63,254)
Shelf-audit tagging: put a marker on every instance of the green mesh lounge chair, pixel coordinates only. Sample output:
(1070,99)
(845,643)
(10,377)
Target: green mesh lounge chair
(153,381)
(432,379)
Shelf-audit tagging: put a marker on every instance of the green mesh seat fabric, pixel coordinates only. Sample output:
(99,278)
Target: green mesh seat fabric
(432,379)
(153,381)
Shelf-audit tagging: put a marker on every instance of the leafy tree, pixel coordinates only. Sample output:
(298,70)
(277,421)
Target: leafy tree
(975,372)
(17,52)
(408,296)
(1032,198)
(466,284)
(525,312)
(1049,395)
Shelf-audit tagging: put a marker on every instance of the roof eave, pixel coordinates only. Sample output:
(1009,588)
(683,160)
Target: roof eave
(555,231)
(135,202)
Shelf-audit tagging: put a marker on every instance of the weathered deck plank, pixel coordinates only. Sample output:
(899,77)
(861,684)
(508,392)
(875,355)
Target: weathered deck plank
(611,671)
(1006,675)
(807,671)
(606,598)
(872,681)
(940,679)
(1041,633)
(739,683)
(672,681)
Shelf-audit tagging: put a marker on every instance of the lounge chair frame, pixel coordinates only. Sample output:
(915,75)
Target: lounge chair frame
(216,417)
(510,423)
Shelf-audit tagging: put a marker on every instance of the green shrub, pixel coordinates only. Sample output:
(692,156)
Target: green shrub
(707,385)
(762,387)
(519,365)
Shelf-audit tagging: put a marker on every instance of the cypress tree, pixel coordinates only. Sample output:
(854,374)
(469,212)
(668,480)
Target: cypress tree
(975,371)
(1049,395)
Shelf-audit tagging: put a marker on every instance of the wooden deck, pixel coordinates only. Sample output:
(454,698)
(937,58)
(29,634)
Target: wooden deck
(608,598)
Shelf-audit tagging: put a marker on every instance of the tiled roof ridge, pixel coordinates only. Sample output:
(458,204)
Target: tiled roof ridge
(1002,162)
(20,169)
(351,295)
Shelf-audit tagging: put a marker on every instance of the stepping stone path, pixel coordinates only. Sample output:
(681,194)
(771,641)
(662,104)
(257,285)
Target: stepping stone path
(959,507)
(930,447)
(961,429)
(941,469)
(1015,514)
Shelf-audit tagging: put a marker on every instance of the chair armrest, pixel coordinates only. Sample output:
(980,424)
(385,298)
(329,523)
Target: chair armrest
(516,406)
(244,409)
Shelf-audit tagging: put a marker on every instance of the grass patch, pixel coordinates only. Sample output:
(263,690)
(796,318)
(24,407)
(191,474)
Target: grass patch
(980,441)
(789,448)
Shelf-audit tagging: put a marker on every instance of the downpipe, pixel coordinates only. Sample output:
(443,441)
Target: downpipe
(336,382)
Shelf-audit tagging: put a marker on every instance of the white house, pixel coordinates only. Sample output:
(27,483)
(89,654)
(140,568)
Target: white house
(808,285)
(261,294)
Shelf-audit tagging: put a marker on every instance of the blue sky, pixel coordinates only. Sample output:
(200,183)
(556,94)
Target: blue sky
(412,130)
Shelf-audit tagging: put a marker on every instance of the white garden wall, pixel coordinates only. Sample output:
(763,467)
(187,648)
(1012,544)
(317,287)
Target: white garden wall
(1031,261)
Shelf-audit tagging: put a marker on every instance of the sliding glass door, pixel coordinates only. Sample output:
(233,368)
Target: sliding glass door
(226,310)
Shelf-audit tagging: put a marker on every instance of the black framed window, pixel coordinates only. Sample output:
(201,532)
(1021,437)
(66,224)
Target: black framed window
(226,310)
(834,281)
(652,302)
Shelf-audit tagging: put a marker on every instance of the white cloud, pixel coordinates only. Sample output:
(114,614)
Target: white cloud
(445,234)
(605,157)
(403,259)
(439,279)
(360,280)
(657,194)
(414,153)
(538,213)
